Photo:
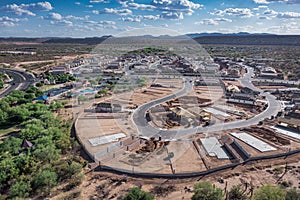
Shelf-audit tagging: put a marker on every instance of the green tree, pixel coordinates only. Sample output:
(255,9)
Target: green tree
(46,151)
(206,191)
(34,170)
(19,114)
(11,145)
(138,194)
(34,90)
(292,194)
(103,92)
(99,79)
(3,116)
(73,168)
(236,193)
(31,131)
(75,180)
(39,84)
(49,120)
(142,82)
(269,192)
(82,99)
(4,105)
(66,169)
(1,80)
(55,105)
(8,170)
(26,163)
(93,82)
(44,181)
(20,189)
(29,97)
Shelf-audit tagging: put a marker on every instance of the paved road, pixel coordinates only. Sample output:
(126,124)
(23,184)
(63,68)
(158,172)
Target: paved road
(145,129)
(21,80)
(247,80)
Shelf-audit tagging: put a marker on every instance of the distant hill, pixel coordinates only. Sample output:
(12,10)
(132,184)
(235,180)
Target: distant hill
(93,40)
(23,39)
(282,40)
(195,35)
(242,38)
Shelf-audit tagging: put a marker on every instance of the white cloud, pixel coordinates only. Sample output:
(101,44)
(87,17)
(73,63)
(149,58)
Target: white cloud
(18,10)
(6,21)
(175,9)
(27,9)
(288,15)
(54,16)
(58,19)
(263,7)
(62,23)
(99,1)
(96,1)
(246,28)
(6,18)
(270,12)
(213,22)
(265,17)
(238,12)
(41,6)
(171,15)
(151,17)
(292,27)
(130,19)
(260,8)
(96,12)
(107,22)
(207,22)
(261,1)
(6,24)
(176,4)
(117,12)
(139,6)
(77,18)
(99,25)
(77,3)
(279,1)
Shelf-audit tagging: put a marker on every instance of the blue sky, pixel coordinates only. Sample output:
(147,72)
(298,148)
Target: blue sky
(88,18)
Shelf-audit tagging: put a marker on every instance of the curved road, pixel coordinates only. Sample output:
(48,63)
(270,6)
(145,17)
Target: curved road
(21,80)
(145,129)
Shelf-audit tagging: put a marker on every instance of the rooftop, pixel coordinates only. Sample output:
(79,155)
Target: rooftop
(213,147)
(254,142)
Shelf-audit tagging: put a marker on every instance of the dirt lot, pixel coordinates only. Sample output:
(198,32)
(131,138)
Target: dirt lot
(177,157)
(92,125)
(105,185)
(148,94)
(236,83)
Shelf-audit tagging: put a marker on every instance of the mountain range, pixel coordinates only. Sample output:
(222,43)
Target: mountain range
(241,38)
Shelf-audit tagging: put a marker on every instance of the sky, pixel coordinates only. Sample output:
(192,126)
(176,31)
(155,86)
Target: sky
(95,18)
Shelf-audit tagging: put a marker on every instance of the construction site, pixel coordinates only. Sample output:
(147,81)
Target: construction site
(110,137)
(168,120)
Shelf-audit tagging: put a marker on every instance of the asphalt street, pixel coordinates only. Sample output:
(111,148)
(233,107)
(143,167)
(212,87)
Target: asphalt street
(21,80)
(145,129)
